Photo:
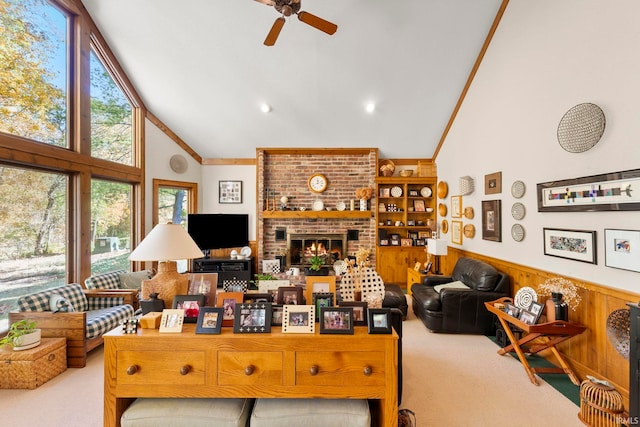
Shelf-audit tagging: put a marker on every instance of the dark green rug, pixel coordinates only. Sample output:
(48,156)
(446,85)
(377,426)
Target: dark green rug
(560,382)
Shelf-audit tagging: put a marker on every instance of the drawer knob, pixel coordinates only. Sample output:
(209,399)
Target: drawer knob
(132,369)
(367,371)
(249,370)
(313,370)
(185,370)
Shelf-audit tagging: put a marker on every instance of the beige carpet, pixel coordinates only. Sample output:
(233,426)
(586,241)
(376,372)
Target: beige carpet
(449,380)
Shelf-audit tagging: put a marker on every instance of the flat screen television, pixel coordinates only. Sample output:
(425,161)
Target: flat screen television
(218,231)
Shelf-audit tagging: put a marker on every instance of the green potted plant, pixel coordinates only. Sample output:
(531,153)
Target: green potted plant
(22,335)
(316,268)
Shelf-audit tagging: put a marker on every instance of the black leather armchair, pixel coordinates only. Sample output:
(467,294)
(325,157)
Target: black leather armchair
(460,310)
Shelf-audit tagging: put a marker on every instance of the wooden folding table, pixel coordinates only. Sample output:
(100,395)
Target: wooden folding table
(536,338)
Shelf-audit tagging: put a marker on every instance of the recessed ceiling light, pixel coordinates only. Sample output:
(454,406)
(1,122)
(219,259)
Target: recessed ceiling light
(266,108)
(370,107)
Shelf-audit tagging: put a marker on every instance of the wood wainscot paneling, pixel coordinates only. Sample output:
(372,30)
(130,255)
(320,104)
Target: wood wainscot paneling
(589,353)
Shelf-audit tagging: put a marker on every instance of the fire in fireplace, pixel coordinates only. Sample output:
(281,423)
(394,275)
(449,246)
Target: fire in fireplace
(302,247)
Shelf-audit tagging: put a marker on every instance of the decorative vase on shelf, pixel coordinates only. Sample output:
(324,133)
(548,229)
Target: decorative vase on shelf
(363,204)
(557,308)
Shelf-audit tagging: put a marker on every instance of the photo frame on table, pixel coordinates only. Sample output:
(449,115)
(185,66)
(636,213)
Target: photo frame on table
(493,183)
(253,297)
(298,319)
(209,320)
(205,284)
(379,320)
(456,232)
(318,284)
(385,192)
(228,301)
(456,206)
(289,295)
(252,318)
(605,192)
(577,245)
(277,311)
(622,249)
(171,320)
(418,205)
(320,300)
(191,304)
(512,310)
(230,191)
(492,220)
(359,311)
(527,317)
(336,320)
(406,242)
(536,308)
(235,285)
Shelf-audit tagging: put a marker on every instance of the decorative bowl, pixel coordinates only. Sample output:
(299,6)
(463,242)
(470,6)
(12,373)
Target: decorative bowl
(406,173)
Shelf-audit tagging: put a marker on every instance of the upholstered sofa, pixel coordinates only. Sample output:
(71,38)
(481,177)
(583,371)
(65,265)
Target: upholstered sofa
(455,303)
(120,281)
(95,312)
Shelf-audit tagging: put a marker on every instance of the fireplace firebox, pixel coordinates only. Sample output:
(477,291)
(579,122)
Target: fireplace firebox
(302,247)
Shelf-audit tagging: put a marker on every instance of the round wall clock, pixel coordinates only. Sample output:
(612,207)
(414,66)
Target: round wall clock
(317,183)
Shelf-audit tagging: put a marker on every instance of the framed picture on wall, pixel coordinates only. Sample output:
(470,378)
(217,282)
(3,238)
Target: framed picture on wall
(578,245)
(230,192)
(622,249)
(492,220)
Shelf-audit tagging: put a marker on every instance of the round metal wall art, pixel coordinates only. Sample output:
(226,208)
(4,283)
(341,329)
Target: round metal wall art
(581,128)
(517,232)
(518,189)
(618,324)
(518,211)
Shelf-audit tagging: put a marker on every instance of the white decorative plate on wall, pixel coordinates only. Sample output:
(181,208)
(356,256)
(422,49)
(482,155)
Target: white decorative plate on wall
(396,191)
(517,232)
(518,211)
(524,297)
(517,189)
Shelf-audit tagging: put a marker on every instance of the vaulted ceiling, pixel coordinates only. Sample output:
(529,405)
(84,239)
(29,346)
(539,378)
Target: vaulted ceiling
(200,66)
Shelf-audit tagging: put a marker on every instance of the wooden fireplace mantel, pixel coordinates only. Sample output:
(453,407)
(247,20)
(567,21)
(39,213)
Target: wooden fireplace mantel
(317,214)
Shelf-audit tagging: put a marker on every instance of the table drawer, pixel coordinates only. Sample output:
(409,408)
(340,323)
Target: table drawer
(160,367)
(348,368)
(250,368)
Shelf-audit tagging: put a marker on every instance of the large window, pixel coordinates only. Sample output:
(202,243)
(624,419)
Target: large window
(111,118)
(110,226)
(70,185)
(173,200)
(33,71)
(33,230)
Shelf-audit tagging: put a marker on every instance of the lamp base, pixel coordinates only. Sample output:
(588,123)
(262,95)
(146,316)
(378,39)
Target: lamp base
(167,283)
(437,266)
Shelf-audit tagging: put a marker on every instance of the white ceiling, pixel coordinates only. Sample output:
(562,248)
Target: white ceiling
(201,68)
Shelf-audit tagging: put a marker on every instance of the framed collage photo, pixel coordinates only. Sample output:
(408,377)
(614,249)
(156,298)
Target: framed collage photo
(209,320)
(253,318)
(336,320)
(298,319)
(230,192)
(191,304)
(379,320)
(228,302)
(359,311)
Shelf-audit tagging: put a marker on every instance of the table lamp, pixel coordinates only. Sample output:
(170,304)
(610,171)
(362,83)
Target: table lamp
(437,247)
(165,244)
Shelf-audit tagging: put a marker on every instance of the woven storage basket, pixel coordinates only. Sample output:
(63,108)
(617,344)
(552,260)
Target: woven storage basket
(32,368)
(386,167)
(600,405)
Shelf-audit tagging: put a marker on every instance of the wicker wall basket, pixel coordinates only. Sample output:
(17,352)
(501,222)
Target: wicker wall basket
(600,404)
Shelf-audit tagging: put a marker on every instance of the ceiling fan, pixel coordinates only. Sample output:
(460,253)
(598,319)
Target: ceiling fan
(289,7)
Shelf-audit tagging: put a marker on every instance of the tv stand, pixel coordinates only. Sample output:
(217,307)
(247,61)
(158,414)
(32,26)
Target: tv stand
(240,270)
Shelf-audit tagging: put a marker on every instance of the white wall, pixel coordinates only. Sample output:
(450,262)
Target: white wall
(158,150)
(211,175)
(547,56)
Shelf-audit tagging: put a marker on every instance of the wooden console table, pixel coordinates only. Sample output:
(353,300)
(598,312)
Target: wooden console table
(190,365)
(536,338)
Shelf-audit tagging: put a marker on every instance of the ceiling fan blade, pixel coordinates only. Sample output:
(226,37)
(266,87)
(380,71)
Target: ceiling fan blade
(317,22)
(267,2)
(274,32)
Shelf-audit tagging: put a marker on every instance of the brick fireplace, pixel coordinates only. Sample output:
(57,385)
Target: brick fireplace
(285,172)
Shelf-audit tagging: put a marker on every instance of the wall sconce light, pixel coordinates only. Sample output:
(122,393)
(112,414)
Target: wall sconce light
(466,185)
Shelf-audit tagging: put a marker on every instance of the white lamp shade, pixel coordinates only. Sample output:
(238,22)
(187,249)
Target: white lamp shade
(166,242)
(437,246)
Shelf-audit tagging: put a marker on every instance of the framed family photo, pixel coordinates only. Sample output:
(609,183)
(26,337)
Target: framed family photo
(336,320)
(298,319)
(191,304)
(379,320)
(321,300)
(171,320)
(253,318)
(209,320)
(359,311)
(228,302)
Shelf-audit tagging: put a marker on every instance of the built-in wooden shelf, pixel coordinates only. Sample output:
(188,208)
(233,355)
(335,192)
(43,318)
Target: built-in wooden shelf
(317,214)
